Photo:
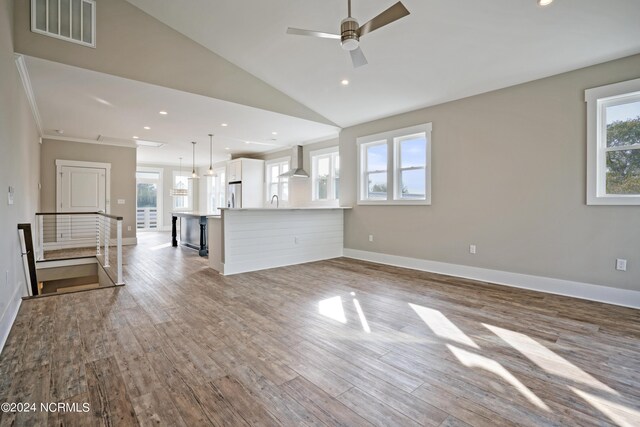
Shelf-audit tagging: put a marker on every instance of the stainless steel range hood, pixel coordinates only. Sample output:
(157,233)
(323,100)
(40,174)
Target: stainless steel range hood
(296,164)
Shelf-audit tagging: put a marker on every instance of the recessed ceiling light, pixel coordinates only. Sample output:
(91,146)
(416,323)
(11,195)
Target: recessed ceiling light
(544,2)
(147,128)
(224,125)
(164,113)
(247,142)
(135,137)
(344,82)
(227,148)
(274,133)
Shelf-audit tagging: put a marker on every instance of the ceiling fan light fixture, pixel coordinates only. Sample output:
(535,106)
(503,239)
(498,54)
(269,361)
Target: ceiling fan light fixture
(349,34)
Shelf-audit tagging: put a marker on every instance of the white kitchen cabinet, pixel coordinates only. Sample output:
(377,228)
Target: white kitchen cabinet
(234,170)
(250,172)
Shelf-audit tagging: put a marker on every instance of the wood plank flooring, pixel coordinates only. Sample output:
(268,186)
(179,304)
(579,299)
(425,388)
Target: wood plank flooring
(337,342)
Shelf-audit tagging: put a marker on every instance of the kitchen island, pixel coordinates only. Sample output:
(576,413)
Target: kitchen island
(252,239)
(193,230)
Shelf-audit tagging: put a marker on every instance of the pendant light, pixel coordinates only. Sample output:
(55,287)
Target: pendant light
(210,171)
(194,175)
(178,191)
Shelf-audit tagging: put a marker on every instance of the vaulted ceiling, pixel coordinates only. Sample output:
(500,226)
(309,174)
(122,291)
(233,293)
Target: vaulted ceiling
(444,50)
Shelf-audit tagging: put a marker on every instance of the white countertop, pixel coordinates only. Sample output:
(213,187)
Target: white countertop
(289,208)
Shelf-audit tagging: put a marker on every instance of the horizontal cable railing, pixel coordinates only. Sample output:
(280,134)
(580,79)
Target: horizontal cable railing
(68,235)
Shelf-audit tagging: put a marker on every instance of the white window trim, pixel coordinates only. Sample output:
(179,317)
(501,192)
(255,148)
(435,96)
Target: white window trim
(313,155)
(189,189)
(390,138)
(267,179)
(65,38)
(597,100)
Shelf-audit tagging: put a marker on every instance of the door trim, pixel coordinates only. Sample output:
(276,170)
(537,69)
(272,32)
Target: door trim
(75,163)
(160,198)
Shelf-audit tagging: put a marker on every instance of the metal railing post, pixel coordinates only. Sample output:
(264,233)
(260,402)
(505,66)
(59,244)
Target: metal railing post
(106,242)
(40,237)
(98,234)
(119,249)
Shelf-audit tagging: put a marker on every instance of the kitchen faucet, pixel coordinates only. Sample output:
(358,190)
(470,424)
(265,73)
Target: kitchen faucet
(275,196)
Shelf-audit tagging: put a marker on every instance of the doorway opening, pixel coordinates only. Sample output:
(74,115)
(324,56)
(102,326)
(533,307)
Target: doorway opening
(148,199)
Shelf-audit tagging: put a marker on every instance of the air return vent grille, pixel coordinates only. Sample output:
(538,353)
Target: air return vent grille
(70,20)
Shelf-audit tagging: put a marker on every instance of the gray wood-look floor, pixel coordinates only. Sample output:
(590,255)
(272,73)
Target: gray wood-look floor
(337,342)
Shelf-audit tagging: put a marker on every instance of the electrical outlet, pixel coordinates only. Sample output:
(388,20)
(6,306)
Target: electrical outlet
(472,249)
(371,237)
(621,264)
(295,240)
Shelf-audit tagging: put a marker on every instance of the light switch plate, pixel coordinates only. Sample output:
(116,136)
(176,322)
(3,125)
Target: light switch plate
(10,194)
(121,201)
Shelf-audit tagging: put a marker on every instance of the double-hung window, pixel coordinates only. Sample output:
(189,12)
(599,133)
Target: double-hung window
(277,185)
(613,138)
(325,174)
(395,167)
(216,191)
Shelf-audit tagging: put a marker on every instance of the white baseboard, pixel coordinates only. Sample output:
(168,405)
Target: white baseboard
(9,316)
(587,291)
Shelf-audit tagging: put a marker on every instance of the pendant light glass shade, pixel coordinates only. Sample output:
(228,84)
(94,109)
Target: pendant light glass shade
(179,191)
(194,175)
(210,172)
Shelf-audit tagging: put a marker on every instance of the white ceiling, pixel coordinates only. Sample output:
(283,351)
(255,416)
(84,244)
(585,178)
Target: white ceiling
(85,104)
(444,50)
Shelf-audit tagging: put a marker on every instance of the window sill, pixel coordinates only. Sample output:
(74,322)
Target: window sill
(395,202)
(613,200)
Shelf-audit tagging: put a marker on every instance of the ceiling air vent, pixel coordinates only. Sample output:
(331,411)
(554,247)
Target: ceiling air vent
(70,20)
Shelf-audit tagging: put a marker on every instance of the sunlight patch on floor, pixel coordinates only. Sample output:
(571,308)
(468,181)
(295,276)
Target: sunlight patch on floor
(619,414)
(332,308)
(472,360)
(441,326)
(547,359)
(363,320)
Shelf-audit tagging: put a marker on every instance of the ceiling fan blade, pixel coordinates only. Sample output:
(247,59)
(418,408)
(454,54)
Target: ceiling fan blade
(394,13)
(357,57)
(299,32)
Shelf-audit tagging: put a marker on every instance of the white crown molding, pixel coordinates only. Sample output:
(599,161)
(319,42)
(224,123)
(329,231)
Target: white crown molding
(586,291)
(90,141)
(26,83)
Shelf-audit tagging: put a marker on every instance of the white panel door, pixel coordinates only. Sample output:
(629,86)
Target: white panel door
(83,189)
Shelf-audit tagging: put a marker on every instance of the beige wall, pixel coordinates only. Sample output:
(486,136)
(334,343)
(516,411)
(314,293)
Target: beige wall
(19,168)
(134,45)
(300,188)
(123,175)
(509,175)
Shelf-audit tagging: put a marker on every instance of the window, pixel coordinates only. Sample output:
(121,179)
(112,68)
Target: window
(613,144)
(394,167)
(183,181)
(325,174)
(277,185)
(216,191)
(70,20)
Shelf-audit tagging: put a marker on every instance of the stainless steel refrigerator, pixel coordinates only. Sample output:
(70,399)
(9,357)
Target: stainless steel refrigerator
(234,195)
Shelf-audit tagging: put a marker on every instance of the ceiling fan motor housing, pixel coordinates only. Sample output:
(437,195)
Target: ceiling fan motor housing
(349,33)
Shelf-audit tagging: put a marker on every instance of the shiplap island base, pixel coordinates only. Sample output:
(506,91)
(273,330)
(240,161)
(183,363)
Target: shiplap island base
(243,240)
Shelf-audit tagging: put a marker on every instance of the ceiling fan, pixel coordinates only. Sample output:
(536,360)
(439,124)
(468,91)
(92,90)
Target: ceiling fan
(350,31)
